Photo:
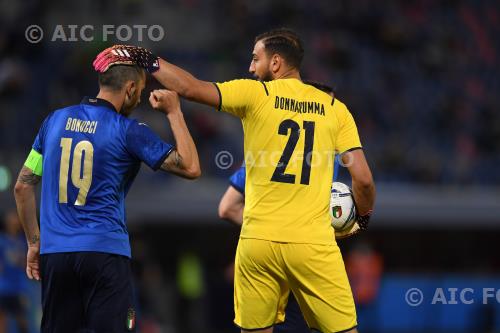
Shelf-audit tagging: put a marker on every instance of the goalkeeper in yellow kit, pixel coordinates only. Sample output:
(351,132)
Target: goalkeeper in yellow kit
(291,133)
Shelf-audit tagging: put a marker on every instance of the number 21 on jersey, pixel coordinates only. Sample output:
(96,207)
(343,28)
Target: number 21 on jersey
(279,174)
(81,170)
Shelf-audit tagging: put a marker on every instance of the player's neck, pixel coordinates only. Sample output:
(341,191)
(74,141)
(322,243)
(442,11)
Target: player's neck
(288,74)
(111,97)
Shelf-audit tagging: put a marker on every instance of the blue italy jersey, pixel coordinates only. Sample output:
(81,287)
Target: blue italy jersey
(237,179)
(91,155)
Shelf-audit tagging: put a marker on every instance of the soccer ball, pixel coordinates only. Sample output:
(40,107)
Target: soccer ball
(342,208)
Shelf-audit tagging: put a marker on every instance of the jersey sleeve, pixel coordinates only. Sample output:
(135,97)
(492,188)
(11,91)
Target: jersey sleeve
(347,138)
(237,180)
(146,146)
(40,137)
(239,97)
(336,167)
(34,161)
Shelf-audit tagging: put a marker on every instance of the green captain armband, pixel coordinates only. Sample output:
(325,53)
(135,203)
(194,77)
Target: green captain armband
(34,162)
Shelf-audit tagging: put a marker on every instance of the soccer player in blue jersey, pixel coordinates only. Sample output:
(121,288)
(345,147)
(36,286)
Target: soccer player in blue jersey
(87,156)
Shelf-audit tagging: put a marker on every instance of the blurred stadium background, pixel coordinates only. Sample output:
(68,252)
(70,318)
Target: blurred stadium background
(422,79)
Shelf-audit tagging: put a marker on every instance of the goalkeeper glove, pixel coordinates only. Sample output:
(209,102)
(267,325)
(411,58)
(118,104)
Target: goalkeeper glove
(108,58)
(126,55)
(358,226)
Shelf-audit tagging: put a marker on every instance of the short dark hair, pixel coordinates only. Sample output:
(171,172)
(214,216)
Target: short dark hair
(116,76)
(321,86)
(284,42)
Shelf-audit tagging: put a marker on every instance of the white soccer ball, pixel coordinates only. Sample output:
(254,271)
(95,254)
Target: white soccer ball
(342,208)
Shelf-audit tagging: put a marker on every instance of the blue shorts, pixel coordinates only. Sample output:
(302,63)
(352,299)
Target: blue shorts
(87,292)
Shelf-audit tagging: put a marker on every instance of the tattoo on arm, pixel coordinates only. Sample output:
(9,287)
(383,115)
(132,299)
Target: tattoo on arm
(178,159)
(26,176)
(174,160)
(35,239)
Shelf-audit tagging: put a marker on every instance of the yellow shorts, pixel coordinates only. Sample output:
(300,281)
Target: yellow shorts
(266,271)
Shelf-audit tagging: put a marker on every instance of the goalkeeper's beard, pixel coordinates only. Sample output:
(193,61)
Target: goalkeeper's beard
(266,76)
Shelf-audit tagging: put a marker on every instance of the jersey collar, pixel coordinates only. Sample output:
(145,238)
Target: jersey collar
(98,102)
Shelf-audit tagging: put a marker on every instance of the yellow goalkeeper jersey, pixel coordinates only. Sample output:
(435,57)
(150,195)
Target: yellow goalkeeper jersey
(292,131)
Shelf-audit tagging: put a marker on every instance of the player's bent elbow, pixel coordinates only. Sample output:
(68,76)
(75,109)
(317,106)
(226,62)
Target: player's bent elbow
(365,180)
(224,211)
(367,183)
(20,189)
(192,173)
(229,214)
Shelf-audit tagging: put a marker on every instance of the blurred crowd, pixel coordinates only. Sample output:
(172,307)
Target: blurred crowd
(421,77)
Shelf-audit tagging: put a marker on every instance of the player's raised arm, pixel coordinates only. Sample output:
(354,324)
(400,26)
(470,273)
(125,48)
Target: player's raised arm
(24,193)
(183,160)
(170,76)
(185,84)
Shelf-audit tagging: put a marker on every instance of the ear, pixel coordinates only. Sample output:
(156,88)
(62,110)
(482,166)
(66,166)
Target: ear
(130,88)
(275,63)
